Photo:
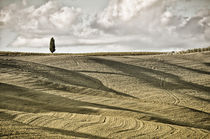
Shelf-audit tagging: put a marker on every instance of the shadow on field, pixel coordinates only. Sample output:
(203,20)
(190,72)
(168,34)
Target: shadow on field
(17,98)
(186,68)
(58,76)
(158,79)
(23,99)
(100,72)
(5,116)
(72,133)
(207,64)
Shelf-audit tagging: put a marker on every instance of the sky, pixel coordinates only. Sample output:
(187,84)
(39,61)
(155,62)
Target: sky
(81,26)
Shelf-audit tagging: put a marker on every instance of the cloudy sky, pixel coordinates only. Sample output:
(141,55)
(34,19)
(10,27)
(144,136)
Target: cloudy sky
(104,25)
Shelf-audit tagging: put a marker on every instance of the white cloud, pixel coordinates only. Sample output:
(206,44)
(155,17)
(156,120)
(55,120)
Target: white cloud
(135,24)
(123,10)
(7,13)
(65,17)
(47,18)
(35,25)
(30,42)
(156,20)
(24,2)
(46,9)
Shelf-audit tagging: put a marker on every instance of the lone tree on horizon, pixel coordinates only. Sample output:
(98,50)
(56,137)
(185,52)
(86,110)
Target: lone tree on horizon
(52,45)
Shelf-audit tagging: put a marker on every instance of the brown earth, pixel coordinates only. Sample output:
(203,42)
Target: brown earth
(64,96)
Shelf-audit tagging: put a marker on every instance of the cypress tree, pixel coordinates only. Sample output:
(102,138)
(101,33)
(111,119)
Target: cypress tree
(52,45)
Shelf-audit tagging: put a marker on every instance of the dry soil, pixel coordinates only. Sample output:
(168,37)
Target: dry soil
(65,96)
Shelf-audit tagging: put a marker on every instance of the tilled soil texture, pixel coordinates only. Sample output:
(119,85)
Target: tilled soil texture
(65,96)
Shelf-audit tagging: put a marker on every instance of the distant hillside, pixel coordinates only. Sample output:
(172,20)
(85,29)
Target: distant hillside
(4,53)
(194,50)
(87,54)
